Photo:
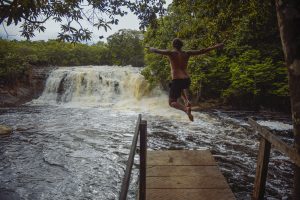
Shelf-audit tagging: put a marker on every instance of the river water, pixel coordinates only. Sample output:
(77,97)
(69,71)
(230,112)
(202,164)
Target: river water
(73,141)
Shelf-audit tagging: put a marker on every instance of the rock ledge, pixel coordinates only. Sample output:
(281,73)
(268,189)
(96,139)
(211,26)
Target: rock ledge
(5,130)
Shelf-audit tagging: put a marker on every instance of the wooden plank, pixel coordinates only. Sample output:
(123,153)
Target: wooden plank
(187,182)
(277,143)
(182,170)
(261,169)
(180,157)
(185,175)
(190,194)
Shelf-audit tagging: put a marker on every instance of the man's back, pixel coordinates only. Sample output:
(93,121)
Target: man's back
(179,59)
(179,62)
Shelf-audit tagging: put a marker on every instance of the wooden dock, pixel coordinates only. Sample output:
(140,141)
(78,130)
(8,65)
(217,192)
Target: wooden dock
(174,174)
(184,175)
(190,175)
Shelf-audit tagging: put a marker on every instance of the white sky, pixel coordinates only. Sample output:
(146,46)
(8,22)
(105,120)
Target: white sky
(129,21)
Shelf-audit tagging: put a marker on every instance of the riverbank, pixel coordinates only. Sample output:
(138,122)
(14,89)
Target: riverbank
(25,88)
(14,96)
(209,105)
(217,104)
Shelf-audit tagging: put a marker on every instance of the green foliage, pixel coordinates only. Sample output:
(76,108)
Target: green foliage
(13,61)
(251,76)
(126,48)
(16,57)
(248,71)
(12,66)
(157,71)
(101,14)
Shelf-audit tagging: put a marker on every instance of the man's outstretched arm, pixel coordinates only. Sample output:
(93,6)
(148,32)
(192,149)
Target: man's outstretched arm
(159,51)
(203,51)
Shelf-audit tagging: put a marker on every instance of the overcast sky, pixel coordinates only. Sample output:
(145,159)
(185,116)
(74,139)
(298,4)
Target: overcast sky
(129,21)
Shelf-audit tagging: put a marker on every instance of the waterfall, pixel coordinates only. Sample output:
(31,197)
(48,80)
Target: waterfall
(98,85)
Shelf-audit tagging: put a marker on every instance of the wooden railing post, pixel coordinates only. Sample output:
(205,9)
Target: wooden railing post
(268,139)
(276,142)
(127,175)
(261,169)
(143,158)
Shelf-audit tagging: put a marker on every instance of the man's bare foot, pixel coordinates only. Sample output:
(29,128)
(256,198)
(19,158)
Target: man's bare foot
(189,113)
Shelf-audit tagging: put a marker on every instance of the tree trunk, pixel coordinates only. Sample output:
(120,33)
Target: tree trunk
(288,15)
(199,92)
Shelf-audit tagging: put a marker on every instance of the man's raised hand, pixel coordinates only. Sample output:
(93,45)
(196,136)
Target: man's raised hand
(151,49)
(148,48)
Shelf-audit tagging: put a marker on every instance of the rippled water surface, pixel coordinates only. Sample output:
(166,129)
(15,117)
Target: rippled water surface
(77,146)
(58,152)
(64,153)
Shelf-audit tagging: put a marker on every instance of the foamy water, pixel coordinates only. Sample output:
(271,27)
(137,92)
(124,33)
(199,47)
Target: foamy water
(73,141)
(118,88)
(276,125)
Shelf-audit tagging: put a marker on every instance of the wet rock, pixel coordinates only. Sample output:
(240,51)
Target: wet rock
(5,130)
(25,88)
(6,98)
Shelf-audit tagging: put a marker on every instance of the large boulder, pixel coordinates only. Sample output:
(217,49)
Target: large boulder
(5,130)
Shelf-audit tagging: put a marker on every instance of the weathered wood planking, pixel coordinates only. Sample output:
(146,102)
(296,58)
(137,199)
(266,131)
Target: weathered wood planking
(184,175)
(189,194)
(182,170)
(186,182)
(180,157)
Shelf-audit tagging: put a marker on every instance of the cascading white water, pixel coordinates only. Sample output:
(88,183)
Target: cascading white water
(95,84)
(122,88)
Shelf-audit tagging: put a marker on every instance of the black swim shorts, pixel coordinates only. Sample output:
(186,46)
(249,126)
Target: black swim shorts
(176,87)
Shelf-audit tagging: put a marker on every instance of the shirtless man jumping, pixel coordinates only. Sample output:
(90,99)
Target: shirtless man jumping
(180,78)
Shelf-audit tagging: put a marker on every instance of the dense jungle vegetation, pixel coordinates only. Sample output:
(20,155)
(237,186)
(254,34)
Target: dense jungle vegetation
(122,48)
(248,72)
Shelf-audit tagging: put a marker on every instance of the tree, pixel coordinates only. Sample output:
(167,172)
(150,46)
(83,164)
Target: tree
(288,13)
(100,13)
(126,48)
(250,65)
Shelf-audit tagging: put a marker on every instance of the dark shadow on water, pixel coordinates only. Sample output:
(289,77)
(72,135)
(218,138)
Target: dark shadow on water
(8,195)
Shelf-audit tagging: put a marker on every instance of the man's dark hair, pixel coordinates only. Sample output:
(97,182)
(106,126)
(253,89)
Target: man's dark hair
(177,43)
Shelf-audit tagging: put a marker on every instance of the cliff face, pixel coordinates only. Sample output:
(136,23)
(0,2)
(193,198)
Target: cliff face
(29,87)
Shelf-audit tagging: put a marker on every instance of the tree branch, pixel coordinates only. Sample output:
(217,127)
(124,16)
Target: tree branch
(37,22)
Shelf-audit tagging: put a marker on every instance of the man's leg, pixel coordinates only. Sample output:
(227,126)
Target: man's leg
(175,93)
(173,103)
(187,104)
(185,98)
